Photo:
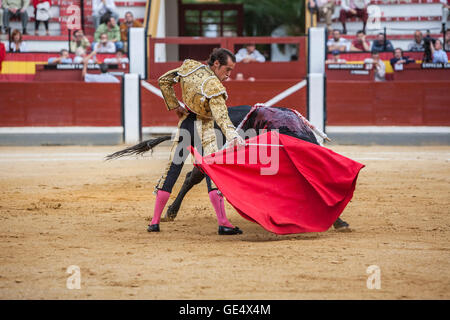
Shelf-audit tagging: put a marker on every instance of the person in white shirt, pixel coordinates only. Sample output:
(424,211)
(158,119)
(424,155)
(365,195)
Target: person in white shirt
(336,58)
(80,54)
(101,7)
(324,8)
(17,44)
(104,76)
(378,65)
(249,54)
(353,8)
(120,58)
(63,58)
(439,55)
(104,45)
(417,44)
(338,43)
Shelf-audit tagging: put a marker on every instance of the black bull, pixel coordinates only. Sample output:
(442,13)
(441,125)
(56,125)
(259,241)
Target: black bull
(264,118)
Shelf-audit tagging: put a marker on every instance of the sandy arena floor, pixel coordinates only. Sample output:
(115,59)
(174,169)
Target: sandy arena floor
(64,206)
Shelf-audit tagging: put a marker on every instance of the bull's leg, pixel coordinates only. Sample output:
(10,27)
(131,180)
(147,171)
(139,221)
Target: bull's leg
(192,178)
(341,225)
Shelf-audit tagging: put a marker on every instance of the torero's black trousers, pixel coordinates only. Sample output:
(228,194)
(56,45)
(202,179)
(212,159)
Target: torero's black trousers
(187,135)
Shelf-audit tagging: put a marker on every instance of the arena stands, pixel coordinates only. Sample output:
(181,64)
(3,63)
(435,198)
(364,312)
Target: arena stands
(399,17)
(61,11)
(22,67)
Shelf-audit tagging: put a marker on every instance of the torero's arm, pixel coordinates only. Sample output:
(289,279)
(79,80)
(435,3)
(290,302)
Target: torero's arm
(220,114)
(166,82)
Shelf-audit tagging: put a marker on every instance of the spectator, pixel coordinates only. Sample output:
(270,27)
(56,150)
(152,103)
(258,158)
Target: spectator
(337,43)
(103,9)
(336,58)
(41,14)
(283,51)
(360,43)
(1,17)
(398,60)
(104,45)
(120,58)
(104,76)
(79,41)
(17,44)
(447,40)
(15,8)
(62,59)
(378,65)
(439,55)
(80,55)
(129,23)
(381,44)
(417,44)
(445,9)
(2,54)
(353,8)
(112,30)
(323,8)
(249,54)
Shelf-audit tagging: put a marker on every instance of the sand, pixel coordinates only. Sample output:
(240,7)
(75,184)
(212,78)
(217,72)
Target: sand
(64,206)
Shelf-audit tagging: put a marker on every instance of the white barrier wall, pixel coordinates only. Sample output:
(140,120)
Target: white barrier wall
(137,51)
(132,108)
(316,78)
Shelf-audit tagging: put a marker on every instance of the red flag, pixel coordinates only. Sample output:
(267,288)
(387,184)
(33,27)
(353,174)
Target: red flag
(284,184)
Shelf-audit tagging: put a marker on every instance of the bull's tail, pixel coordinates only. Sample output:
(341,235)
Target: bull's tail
(138,149)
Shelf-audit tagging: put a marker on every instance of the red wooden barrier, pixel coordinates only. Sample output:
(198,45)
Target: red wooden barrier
(60,104)
(352,103)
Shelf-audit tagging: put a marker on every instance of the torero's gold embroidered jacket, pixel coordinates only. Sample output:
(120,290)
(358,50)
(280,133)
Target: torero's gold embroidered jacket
(202,91)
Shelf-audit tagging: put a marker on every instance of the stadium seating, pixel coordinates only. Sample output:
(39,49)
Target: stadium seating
(58,38)
(399,17)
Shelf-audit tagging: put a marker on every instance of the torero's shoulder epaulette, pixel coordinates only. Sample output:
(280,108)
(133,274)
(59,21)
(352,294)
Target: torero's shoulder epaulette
(189,66)
(212,87)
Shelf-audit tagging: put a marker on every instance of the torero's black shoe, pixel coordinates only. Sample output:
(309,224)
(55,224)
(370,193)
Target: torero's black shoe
(341,225)
(153,228)
(227,230)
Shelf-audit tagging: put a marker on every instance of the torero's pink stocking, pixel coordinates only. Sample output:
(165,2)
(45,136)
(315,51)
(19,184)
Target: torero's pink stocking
(219,206)
(161,199)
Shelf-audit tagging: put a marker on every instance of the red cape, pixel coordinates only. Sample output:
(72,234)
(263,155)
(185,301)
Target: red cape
(305,187)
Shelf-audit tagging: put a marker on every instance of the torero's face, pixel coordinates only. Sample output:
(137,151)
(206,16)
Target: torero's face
(223,72)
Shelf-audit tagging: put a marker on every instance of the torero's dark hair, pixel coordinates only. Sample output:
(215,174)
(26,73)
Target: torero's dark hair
(221,55)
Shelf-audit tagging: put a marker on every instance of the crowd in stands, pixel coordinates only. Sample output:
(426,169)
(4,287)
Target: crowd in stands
(354,8)
(434,50)
(381,44)
(109,37)
(349,9)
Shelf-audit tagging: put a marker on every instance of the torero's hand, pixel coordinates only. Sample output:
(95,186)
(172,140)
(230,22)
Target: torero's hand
(238,141)
(180,111)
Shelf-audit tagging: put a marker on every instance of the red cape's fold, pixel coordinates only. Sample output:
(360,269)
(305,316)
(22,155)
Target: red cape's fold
(282,183)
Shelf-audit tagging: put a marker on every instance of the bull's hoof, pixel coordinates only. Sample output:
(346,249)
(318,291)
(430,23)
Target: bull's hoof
(167,218)
(229,231)
(171,213)
(153,228)
(341,226)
